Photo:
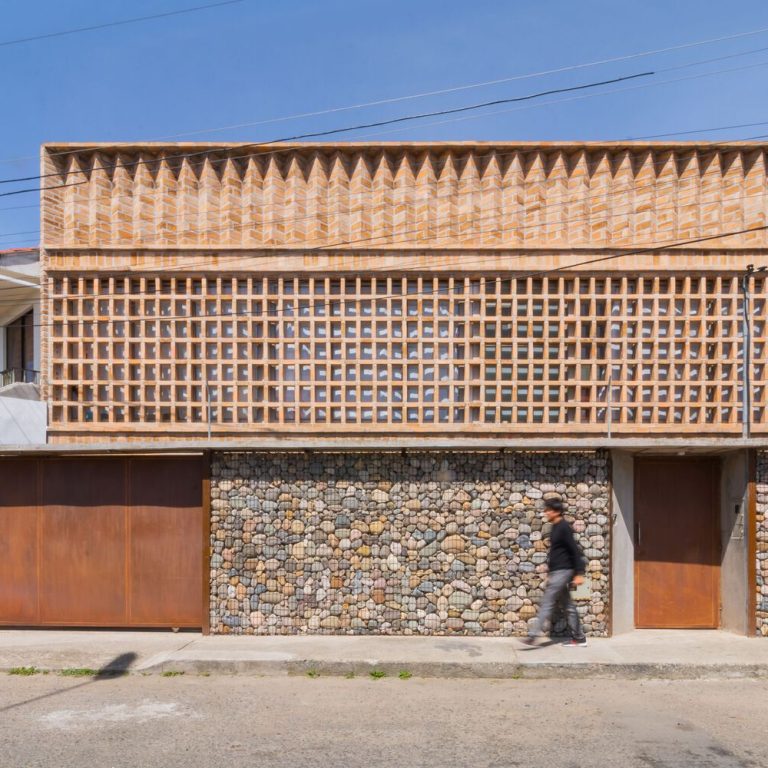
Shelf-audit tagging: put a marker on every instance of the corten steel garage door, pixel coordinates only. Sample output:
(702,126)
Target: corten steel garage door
(108,542)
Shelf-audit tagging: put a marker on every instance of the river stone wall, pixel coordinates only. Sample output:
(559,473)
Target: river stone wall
(385,543)
(762,543)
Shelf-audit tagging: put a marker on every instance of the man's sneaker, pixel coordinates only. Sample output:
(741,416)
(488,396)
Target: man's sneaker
(575,643)
(530,641)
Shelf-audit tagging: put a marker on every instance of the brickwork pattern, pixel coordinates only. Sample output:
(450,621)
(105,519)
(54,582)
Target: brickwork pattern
(395,352)
(762,543)
(397,287)
(384,543)
(489,195)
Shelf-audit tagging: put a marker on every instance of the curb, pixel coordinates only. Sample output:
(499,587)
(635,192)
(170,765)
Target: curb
(448,670)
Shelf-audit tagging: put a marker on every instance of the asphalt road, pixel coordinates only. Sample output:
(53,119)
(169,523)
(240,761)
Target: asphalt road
(150,721)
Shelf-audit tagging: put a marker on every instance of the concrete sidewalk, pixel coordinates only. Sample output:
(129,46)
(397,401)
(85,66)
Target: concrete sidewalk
(640,654)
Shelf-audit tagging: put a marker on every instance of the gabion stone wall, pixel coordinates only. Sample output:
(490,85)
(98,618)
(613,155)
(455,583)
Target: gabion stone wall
(384,543)
(762,544)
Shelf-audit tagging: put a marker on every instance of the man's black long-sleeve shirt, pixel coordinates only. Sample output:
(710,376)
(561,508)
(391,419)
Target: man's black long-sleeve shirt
(564,553)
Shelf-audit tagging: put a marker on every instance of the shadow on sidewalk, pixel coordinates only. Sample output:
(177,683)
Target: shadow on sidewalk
(117,667)
(550,641)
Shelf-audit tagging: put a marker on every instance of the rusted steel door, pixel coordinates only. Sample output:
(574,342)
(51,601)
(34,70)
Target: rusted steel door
(82,542)
(165,563)
(677,546)
(109,542)
(18,541)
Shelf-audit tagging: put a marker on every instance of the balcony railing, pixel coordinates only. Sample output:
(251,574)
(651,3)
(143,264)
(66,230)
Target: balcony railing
(19,376)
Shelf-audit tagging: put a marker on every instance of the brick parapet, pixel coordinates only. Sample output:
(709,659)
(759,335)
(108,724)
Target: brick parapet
(353,196)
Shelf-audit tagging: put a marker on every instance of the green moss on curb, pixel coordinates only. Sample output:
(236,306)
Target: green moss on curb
(24,671)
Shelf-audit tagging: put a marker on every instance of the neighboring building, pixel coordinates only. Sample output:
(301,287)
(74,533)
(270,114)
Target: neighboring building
(22,415)
(388,354)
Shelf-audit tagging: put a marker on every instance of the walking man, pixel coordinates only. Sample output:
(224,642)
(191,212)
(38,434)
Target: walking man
(566,566)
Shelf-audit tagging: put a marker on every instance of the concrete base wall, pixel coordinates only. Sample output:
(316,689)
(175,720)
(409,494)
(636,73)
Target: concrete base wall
(391,543)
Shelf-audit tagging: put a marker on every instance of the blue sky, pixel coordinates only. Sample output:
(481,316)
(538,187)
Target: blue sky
(257,60)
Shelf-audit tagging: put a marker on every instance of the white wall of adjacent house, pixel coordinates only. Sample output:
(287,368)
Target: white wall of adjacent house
(22,422)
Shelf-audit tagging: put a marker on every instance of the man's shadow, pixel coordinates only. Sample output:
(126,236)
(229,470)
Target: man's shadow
(118,667)
(544,644)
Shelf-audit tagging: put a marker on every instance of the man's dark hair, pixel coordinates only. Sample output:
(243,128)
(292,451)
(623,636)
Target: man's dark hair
(555,505)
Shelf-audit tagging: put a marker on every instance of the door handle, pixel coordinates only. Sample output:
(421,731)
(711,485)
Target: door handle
(638,538)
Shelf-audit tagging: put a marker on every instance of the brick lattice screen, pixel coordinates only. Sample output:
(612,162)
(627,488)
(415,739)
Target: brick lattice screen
(394,352)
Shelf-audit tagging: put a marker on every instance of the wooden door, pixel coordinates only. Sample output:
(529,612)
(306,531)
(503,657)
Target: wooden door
(677,546)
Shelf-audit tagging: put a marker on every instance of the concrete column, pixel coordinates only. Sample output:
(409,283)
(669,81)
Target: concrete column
(734,595)
(623,547)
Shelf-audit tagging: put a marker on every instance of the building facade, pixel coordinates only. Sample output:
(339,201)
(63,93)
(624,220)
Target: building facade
(390,354)
(22,414)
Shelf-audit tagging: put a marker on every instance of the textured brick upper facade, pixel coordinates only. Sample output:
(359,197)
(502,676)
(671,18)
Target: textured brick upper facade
(447,288)
(447,196)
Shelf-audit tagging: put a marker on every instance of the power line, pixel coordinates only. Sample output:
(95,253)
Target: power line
(358,197)
(332,131)
(131,196)
(559,225)
(618,253)
(579,97)
(453,89)
(405,118)
(135,20)
(292,148)
(286,149)
(487,83)
(688,133)
(655,186)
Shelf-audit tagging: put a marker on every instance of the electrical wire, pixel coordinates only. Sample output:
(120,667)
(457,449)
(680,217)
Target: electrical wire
(575,98)
(136,20)
(618,253)
(401,119)
(293,148)
(453,89)
(333,131)
(359,196)
(562,224)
